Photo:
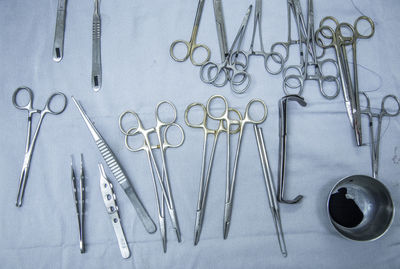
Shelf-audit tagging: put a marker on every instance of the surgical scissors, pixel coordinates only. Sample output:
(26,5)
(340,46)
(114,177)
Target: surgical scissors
(304,71)
(266,55)
(210,72)
(224,116)
(30,143)
(203,189)
(191,46)
(371,115)
(148,148)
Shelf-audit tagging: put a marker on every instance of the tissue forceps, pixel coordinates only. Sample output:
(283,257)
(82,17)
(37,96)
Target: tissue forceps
(282,145)
(30,143)
(204,180)
(148,148)
(96,48)
(269,183)
(230,182)
(384,112)
(58,45)
(266,55)
(191,46)
(228,70)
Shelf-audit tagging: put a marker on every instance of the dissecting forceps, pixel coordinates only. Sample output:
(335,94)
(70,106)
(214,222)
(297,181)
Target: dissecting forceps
(269,183)
(79,206)
(58,46)
(117,171)
(96,48)
(204,179)
(30,143)
(282,145)
(110,201)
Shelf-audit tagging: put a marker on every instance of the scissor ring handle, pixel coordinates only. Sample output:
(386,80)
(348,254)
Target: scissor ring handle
(202,124)
(28,106)
(271,55)
(131,130)
(166,143)
(321,25)
(371,23)
(329,78)
(286,85)
(320,42)
(345,40)
(247,116)
(224,115)
(236,85)
(196,47)
(48,109)
(158,116)
(383,108)
(324,62)
(281,60)
(172,48)
(205,69)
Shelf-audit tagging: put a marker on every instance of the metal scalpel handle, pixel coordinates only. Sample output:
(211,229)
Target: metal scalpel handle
(58,46)
(117,171)
(110,201)
(96,48)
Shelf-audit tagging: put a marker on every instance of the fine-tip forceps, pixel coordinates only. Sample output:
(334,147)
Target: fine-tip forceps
(269,184)
(110,201)
(191,46)
(295,7)
(117,171)
(224,116)
(311,63)
(163,144)
(79,204)
(384,112)
(266,55)
(58,45)
(339,41)
(96,48)
(282,145)
(204,179)
(30,143)
(218,74)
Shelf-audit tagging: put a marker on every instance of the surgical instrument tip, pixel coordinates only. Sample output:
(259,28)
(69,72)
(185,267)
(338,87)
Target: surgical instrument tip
(196,237)
(81,246)
(178,235)
(226,229)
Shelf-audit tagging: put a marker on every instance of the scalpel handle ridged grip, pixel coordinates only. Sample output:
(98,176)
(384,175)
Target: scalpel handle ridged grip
(96,52)
(58,46)
(116,170)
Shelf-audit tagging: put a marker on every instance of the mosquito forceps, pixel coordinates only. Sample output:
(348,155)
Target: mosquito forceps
(191,46)
(58,45)
(30,143)
(218,74)
(224,116)
(79,206)
(266,55)
(162,178)
(204,179)
(371,115)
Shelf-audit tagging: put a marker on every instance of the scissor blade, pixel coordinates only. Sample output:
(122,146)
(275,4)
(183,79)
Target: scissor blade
(221,32)
(198,225)
(227,219)
(161,220)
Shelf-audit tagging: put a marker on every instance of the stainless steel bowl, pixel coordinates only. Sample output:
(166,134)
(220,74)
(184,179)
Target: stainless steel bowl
(360,208)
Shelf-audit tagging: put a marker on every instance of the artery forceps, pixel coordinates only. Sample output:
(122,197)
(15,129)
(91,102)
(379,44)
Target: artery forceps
(79,206)
(282,145)
(30,143)
(230,182)
(204,180)
(269,183)
(191,46)
(148,148)
(58,46)
(96,48)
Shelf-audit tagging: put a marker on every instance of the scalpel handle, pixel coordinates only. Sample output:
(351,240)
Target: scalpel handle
(116,170)
(58,46)
(96,49)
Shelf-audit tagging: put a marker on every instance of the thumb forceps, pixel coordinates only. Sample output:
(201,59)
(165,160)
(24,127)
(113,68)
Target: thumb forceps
(30,143)
(269,183)
(282,145)
(203,189)
(79,207)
